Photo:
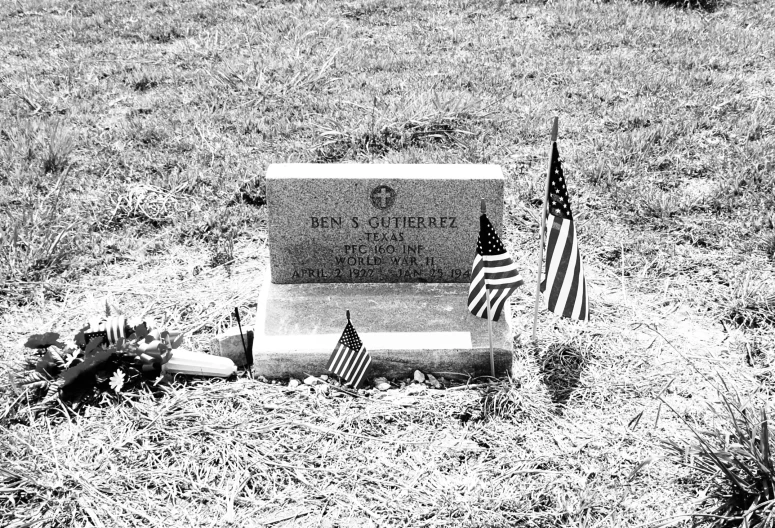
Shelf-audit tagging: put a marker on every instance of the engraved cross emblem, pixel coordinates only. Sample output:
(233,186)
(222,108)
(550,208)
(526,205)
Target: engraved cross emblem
(383,197)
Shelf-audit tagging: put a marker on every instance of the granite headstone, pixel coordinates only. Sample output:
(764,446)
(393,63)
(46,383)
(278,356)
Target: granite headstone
(394,245)
(377,223)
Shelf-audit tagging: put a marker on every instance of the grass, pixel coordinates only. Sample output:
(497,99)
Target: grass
(134,141)
(739,460)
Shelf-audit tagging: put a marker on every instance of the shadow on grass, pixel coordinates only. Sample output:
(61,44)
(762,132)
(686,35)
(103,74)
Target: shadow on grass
(561,367)
(701,5)
(340,146)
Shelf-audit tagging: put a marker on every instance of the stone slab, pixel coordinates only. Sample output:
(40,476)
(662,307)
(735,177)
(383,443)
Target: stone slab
(366,223)
(403,326)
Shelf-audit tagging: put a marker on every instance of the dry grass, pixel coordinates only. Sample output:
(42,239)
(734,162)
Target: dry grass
(556,447)
(245,447)
(253,453)
(133,146)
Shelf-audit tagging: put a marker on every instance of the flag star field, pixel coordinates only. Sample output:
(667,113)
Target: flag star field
(564,273)
(493,271)
(350,359)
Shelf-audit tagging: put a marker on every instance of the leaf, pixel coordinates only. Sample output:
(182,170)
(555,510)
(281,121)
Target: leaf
(637,469)
(111,309)
(87,367)
(176,341)
(117,381)
(33,381)
(92,345)
(70,359)
(635,421)
(80,337)
(44,340)
(766,451)
(50,364)
(56,357)
(141,331)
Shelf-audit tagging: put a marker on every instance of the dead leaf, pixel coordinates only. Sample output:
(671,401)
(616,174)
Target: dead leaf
(44,340)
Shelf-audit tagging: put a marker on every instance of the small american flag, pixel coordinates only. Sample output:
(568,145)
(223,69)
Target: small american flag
(350,360)
(493,269)
(564,272)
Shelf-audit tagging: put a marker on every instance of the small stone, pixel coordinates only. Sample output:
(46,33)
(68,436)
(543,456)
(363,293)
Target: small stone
(311,380)
(381,384)
(324,377)
(419,377)
(293,383)
(415,388)
(262,379)
(433,382)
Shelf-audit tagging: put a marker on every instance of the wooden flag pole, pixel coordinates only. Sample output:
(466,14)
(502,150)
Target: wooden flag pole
(248,353)
(343,381)
(489,311)
(543,227)
(489,329)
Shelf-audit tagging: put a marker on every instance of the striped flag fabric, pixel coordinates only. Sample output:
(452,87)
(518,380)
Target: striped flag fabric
(494,270)
(350,360)
(564,272)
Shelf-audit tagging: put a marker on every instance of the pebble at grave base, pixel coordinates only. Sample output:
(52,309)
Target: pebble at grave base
(394,245)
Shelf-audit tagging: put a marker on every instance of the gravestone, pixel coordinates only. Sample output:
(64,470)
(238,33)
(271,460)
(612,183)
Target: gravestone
(377,223)
(393,244)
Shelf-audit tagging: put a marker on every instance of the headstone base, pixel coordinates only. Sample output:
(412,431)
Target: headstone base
(403,326)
